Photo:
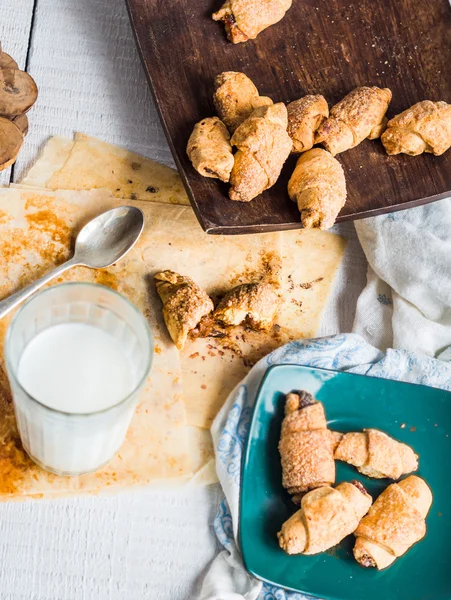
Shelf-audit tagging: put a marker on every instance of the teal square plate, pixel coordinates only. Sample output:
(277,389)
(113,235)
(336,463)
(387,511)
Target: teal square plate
(417,415)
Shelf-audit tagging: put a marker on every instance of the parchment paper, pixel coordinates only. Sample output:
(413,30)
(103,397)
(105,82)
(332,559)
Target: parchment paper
(87,163)
(36,230)
(302,263)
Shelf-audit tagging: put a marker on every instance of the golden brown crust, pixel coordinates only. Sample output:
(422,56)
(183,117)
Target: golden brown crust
(184,304)
(209,149)
(236,97)
(424,127)
(358,116)
(306,447)
(327,515)
(248,178)
(378,130)
(304,117)
(376,454)
(245,19)
(353,448)
(394,523)
(255,304)
(318,186)
(263,146)
(337,435)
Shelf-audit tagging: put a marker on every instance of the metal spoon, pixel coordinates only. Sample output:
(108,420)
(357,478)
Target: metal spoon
(102,242)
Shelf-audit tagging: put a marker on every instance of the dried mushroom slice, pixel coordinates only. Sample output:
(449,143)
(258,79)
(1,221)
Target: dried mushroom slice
(18,92)
(11,140)
(22,123)
(7,61)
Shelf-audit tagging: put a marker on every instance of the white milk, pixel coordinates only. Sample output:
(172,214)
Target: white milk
(80,369)
(76,368)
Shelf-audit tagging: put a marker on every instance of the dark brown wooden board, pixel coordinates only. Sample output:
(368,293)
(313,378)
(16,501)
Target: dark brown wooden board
(323,47)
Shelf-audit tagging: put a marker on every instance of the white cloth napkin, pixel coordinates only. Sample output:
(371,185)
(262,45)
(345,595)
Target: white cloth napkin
(407,300)
(406,305)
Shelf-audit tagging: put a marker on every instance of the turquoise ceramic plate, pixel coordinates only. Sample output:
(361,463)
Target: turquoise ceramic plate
(417,415)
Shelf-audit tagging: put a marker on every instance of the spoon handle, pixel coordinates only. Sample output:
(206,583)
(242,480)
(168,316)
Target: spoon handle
(15,299)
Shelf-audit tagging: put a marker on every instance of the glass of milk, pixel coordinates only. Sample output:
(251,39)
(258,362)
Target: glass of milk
(77,356)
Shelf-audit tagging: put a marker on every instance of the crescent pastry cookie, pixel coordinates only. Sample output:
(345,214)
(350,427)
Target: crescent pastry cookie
(245,19)
(376,454)
(424,127)
(304,117)
(184,304)
(236,97)
(360,115)
(255,304)
(394,523)
(263,146)
(209,149)
(306,445)
(318,187)
(327,515)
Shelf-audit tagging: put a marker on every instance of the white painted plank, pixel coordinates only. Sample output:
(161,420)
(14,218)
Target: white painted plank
(132,546)
(15,24)
(85,62)
(15,28)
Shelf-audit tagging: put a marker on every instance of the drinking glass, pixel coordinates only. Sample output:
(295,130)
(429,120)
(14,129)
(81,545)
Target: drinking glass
(72,443)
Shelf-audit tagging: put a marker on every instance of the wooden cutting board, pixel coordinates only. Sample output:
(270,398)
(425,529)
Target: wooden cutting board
(323,47)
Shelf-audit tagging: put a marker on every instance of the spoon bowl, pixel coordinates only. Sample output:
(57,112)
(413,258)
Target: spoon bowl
(108,237)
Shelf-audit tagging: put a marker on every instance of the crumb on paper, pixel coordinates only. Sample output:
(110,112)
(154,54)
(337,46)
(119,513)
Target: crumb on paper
(309,284)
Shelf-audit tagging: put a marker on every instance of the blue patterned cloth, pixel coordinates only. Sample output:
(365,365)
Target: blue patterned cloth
(227,579)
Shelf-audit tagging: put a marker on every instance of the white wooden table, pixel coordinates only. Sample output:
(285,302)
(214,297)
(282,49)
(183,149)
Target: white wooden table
(151,544)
